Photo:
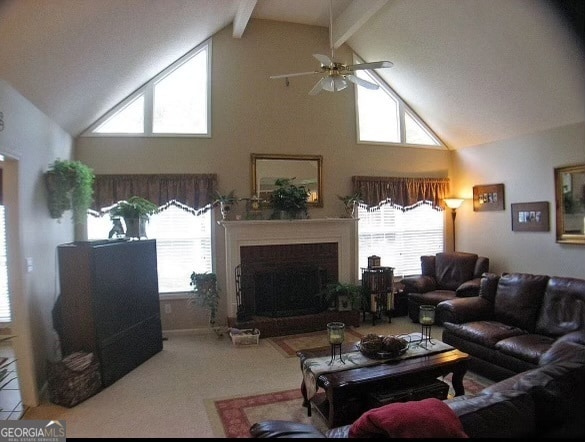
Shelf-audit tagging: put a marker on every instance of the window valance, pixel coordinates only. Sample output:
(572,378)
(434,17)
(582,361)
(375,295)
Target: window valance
(194,192)
(402,193)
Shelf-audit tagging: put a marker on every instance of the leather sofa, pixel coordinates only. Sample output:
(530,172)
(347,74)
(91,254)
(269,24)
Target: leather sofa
(547,401)
(444,276)
(514,321)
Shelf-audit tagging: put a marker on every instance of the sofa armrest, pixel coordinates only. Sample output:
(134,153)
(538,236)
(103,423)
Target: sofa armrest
(506,414)
(419,284)
(284,429)
(461,310)
(469,288)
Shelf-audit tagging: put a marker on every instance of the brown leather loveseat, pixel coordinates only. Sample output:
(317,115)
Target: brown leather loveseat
(444,276)
(514,321)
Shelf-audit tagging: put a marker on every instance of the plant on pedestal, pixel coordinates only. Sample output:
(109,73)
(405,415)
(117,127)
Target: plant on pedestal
(136,212)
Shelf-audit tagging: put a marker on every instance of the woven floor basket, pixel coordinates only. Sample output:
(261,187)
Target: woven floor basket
(74,379)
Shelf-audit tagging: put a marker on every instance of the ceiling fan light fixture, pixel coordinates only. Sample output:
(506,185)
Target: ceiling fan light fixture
(339,83)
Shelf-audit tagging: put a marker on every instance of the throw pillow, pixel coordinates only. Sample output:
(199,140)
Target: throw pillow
(415,419)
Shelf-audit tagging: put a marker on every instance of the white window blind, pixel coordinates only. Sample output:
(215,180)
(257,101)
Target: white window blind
(400,238)
(183,244)
(5,315)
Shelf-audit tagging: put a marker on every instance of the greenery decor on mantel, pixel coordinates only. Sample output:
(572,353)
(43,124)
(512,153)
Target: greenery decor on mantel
(349,202)
(69,187)
(288,198)
(225,203)
(136,212)
(206,294)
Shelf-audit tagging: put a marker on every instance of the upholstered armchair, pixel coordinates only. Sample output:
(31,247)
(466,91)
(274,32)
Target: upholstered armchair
(444,276)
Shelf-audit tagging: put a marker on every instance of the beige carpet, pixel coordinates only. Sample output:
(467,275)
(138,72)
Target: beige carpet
(289,345)
(237,414)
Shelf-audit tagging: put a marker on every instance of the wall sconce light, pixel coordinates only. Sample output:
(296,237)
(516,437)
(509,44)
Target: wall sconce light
(453,204)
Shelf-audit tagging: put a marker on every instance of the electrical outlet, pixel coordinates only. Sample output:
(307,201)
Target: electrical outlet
(167,308)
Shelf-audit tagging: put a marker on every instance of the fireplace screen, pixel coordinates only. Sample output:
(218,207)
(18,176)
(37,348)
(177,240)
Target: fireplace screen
(289,291)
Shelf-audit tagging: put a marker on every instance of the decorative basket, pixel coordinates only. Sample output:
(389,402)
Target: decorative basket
(247,336)
(73,379)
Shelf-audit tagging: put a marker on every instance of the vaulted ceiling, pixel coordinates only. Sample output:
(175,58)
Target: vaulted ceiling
(476,71)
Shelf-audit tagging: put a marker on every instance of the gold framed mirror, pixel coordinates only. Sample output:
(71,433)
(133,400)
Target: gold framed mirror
(305,169)
(570,204)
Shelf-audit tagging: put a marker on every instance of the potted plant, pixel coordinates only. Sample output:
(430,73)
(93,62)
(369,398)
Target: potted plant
(206,294)
(288,198)
(349,202)
(225,203)
(336,294)
(136,212)
(69,186)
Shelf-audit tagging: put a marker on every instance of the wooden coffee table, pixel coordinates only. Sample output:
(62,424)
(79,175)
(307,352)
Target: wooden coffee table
(346,391)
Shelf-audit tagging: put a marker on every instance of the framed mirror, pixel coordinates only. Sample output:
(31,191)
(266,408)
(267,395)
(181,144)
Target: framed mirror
(570,204)
(305,169)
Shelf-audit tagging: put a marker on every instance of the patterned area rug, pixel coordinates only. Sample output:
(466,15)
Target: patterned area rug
(236,415)
(289,345)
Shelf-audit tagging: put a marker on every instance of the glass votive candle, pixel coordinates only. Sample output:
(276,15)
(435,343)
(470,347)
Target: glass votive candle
(336,332)
(426,315)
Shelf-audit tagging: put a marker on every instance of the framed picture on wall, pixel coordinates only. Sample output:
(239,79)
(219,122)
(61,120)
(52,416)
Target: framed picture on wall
(530,217)
(488,197)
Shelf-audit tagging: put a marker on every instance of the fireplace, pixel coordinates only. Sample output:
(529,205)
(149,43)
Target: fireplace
(285,279)
(266,251)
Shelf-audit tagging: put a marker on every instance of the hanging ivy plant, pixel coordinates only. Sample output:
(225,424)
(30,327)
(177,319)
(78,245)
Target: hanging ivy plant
(70,187)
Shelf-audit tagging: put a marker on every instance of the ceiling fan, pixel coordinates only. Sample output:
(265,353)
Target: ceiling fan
(336,75)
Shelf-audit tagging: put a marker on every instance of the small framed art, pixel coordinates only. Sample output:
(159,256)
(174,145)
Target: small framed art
(530,217)
(488,197)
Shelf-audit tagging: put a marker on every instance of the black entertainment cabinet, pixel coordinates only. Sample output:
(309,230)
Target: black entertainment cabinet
(109,303)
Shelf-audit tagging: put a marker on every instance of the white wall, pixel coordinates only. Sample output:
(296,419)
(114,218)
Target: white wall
(31,142)
(525,166)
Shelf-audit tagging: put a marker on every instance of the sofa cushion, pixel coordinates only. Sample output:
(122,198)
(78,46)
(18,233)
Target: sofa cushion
(527,347)
(557,389)
(563,307)
(420,419)
(488,286)
(485,333)
(432,297)
(506,414)
(453,269)
(518,299)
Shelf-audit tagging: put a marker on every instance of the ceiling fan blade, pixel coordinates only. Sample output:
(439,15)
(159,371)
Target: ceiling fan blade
(318,87)
(372,65)
(298,74)
(362,82)
(323,59)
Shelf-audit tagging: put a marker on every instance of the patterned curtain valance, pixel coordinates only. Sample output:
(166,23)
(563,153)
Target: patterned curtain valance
(402,193)
(194,192)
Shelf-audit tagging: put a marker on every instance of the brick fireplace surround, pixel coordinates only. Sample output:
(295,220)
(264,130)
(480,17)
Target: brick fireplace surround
(319,238)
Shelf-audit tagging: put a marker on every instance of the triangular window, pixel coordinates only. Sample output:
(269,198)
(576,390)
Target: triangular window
(174,103)
(382,117)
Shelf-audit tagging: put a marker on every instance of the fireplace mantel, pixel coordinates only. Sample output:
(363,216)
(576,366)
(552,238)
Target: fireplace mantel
(343,231)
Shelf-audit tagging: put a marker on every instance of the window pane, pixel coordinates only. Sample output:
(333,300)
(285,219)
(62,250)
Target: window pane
(129,120)
(415,133)
(400,238)
(183,244)
(180,98)
(5,315)
(377,113)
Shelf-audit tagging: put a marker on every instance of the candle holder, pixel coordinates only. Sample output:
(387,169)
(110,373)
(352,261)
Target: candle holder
(426,317)
(336,335)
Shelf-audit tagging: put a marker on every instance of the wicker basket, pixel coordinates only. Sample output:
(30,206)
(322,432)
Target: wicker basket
(73,379)
(247,336)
